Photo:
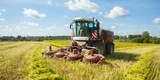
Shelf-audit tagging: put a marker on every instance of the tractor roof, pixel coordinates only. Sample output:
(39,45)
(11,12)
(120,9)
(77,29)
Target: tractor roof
(83,19)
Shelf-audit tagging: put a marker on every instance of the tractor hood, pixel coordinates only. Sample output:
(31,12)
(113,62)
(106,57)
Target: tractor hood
(80,38)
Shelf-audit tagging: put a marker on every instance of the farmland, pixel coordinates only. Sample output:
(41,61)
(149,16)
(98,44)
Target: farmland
(131,61)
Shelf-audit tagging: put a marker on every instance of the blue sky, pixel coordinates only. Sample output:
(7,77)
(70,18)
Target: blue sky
(52,17)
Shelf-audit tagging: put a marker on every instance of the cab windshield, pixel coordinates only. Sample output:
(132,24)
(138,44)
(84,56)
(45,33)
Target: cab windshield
(82,28)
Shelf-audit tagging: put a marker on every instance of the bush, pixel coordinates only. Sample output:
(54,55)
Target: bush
(136,40)
(146,40)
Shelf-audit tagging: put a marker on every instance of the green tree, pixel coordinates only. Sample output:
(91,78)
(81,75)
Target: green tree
(136,40)
(116,37)
(145,34)
(125,38)
(23,38)
(18,37)
(145,37)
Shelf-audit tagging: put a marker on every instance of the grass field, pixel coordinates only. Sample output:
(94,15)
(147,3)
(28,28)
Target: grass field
(131,61)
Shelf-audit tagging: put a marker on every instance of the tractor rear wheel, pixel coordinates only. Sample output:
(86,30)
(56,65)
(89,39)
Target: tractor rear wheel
(102,48)
(110,48)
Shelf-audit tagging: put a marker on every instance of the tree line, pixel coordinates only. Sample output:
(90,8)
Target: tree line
(138,38)
(33,38)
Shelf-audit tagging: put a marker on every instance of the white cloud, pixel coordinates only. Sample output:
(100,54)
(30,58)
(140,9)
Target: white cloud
(49,2)
(2,10)
(121,33)
(121,25)
(30,23)
(82,5)
(118,25)
(66,25)
(113,27)
(2,19)
(2,26)
(66,16)
(50,28)
(21,27)
(5,28)
(117,12)
(33,13)
(100,13)
(156,21)
(100,22)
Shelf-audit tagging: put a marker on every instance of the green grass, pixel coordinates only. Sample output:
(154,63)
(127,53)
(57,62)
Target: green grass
(23,61)
(15,61)
(6,43)
(8,46)
(114,68)
(127,44)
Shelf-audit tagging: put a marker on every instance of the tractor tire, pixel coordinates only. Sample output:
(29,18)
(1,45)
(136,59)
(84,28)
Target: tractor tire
(101,46)
(110,48)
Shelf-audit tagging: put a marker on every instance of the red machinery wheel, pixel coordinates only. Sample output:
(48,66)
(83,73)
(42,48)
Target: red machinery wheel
(92,58)
(60,54)
(74,55)
(50,52)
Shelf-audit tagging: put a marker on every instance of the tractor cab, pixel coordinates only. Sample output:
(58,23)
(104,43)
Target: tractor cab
(82,27)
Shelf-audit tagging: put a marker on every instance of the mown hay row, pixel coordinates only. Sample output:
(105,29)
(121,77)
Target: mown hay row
(14,64)
(39,68)
(143,68)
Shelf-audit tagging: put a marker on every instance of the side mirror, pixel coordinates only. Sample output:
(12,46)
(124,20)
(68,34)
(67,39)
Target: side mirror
(70,26)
